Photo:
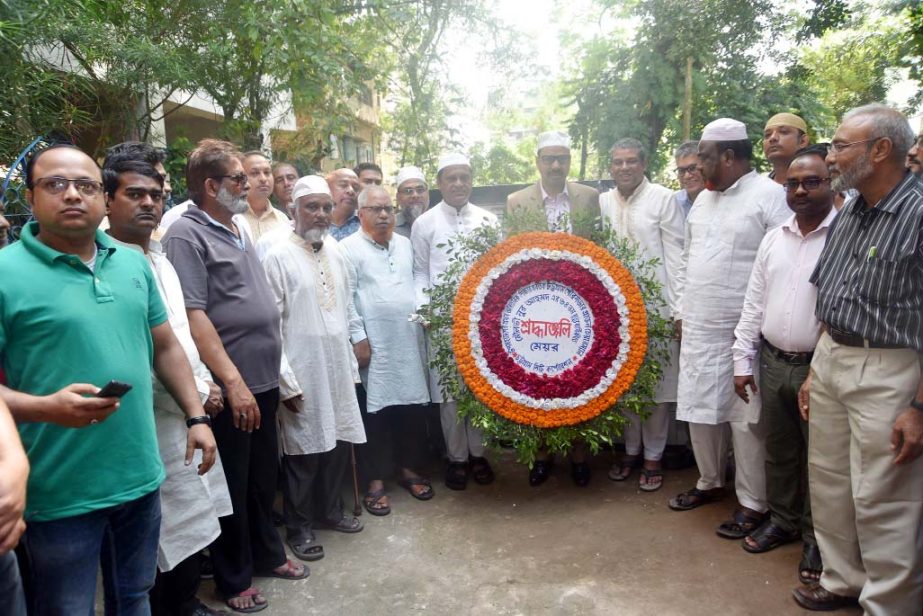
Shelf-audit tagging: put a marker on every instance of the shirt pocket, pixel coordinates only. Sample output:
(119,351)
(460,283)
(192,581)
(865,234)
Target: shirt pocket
(885,281)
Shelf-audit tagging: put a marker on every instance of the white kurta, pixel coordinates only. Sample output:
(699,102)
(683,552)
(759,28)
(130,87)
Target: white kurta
(381,279)
(190,504)
(429,237)
(723,234)
(651,218)
(318,318)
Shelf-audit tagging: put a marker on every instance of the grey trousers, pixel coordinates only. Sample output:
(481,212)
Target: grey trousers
(313,489)
(786,445)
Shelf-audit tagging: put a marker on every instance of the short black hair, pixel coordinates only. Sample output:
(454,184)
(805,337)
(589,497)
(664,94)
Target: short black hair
(367,166)
(742,148)
(30,164)
(816,149)
(113,170)
(136,150)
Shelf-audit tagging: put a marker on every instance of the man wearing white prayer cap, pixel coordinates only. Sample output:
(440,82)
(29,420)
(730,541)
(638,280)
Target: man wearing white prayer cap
(320,416)
(561,202)
(723,232)
(309,184)
(430,237)
(412,198)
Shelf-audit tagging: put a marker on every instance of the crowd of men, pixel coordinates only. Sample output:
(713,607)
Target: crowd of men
(257,337)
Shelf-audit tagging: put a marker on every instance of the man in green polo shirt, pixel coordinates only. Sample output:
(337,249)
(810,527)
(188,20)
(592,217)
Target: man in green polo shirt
(76,311)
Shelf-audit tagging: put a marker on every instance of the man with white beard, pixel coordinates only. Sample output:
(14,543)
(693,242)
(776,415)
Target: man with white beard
(235,325)
(412,198)
(308,277)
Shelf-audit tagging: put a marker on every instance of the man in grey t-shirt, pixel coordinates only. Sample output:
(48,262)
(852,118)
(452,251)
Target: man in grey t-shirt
(235,325)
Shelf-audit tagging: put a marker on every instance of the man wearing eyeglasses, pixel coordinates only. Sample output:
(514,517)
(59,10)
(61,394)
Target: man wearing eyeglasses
(76,311)
(561,202)
(320,419)
(412,198)
(866,393)
(913,157)
(235,325)
(778,329)
(380,267)
(783,135)
(689,175)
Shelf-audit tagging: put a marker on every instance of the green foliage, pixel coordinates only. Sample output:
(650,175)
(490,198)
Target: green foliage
(501,164)
(527,440)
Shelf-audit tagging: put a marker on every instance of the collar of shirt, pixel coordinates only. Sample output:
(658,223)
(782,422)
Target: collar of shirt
(887,204)
(636,193)
(372,241)
(197,213)
(546,196)
(269,213)
(46,253)
(461,211)
(791,224)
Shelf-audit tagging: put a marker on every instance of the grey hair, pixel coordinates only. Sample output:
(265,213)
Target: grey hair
(888,123)
(369,191)
(687,148)
(628,143)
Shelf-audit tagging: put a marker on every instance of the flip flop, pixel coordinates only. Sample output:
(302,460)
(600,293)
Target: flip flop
(408,484)
(373,498)
(654,479)
(250,592)
(289,574)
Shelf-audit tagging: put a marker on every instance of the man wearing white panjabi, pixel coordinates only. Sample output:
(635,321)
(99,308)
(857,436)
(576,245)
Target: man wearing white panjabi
(396,380)
(646,213)
(308,278)
(451,217)
(723,233)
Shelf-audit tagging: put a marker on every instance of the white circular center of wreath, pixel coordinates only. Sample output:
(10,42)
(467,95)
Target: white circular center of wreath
(546,328)
(477,350)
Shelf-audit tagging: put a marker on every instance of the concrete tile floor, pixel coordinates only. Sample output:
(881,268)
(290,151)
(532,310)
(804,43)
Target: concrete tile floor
(508,549)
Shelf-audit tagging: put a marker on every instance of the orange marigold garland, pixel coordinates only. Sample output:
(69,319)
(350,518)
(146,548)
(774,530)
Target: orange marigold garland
(570,278)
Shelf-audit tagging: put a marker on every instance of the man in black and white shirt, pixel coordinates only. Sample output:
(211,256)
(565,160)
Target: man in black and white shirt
(866,394)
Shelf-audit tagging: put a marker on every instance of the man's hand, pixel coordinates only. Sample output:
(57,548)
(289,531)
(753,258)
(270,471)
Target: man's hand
(14,470)
(292,403)
(200,437)
(907,436)
(243,405)
(363,352)
(70,407)
(804,397)
(740,386)
(215,402)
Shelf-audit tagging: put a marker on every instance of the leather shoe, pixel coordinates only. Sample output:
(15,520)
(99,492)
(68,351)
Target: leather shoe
(580,473)
(817,598)
(540,472)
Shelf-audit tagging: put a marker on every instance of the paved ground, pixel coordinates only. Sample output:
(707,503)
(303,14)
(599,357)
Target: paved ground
(509,549)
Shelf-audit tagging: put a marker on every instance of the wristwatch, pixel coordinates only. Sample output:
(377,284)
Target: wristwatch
(201,419)
(917,405)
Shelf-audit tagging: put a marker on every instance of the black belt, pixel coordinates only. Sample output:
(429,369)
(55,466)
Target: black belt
(798,359)
(855,340)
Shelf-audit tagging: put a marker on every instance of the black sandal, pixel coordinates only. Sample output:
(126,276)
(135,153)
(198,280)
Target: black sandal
(456,476)
(768,537)
(742,523)
(690,499)
(373,505)
(424,495)
(481,471)
(810,561)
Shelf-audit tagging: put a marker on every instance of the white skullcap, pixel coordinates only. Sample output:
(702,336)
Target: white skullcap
(310,185)
(410,173)
(553,138)
(724,129)
(450,160)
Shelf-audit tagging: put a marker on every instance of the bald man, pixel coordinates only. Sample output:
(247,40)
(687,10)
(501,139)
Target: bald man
(344,188)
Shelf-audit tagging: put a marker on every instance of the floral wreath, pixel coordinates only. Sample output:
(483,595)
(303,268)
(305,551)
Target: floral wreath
(582,275)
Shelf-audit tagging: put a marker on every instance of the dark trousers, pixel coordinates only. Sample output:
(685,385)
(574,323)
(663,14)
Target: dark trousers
(395,438)
(248,540)
(313,489)
(174,592)
(786,445)
(11,594)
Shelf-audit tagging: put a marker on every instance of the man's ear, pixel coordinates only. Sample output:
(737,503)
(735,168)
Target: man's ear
(882,150)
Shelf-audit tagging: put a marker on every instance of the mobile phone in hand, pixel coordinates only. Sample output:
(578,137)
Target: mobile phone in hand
(114,389)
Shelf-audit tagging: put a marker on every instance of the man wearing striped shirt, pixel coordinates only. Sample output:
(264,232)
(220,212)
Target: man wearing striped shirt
(866,396)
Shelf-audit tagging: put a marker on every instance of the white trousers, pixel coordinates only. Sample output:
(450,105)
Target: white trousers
(710,444)
(868,512)
(651,432)
(461,438)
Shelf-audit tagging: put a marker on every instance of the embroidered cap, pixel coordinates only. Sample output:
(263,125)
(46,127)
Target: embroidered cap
(724,129)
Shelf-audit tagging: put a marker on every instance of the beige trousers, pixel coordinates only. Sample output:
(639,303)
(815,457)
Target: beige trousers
(868,513)
(710,445)
(461,438)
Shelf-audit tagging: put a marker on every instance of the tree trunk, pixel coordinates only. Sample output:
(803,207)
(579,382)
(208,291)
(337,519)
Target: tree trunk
(687,102)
